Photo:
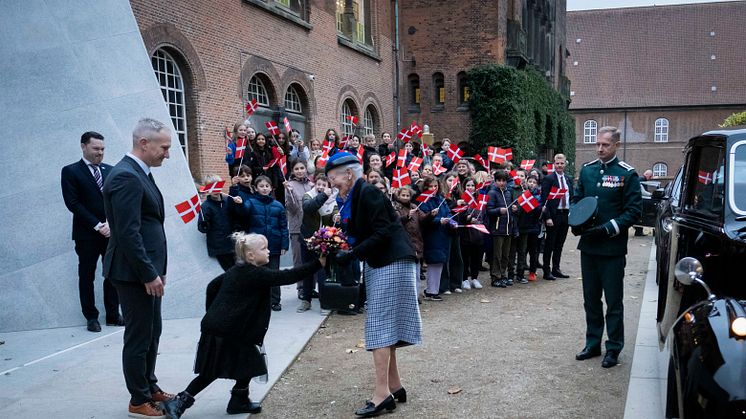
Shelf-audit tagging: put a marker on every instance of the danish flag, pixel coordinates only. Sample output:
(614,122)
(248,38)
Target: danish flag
(479,159)
(452,186)
(251,107)
(401,161)
(353,119)
(414,165)
(188,209)
(360,153)
(454,153)
(272,163)
(425,196)
(343,141)
(468,198)
(496,154)
(556,193)
(508,153)
(438,169)
(272,127)
(479,227)
(404,135)
(323,158)
(283,164)
(550,168)
(484,184)
(415,129)
(527,164)
(240,148)
(400,178)
(286,122)
(458,210)
(213,187)
(704,177)
(516,178)
(390,159)
(527,201)
(327,147)
(481,202)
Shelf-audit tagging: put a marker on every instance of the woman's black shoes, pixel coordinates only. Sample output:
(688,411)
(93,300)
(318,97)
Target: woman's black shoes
(400,395)
(240,403)
(370,410)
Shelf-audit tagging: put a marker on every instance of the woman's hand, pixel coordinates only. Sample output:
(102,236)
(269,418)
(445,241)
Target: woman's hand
(412,212)
(337,218)
(280,151)
(514,208)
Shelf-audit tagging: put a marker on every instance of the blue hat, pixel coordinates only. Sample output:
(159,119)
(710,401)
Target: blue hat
(340,159)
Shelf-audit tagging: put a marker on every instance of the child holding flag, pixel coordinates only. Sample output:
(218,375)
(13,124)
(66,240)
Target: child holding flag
(435,235)
(471,239)
(501,209)
(529,227)
(413,220)
(215,222)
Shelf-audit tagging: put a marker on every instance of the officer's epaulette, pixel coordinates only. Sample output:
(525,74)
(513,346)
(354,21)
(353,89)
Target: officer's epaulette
(590,162)
(625,165)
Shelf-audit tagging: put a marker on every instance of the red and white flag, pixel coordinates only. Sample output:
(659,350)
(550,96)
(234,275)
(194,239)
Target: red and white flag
(550,168)
(479,159)
(497,155)
(527,201)
(343,141)
(454,153)
(404,135)
(479,227)
(484,184)
(508,153)
(213,187)
(189,209)
(323,158)
(414,165)
(460,209)
(400,178)
(481,203)
(251,107)
(415,129)
(401,160)
(272,163)
(425,196)
(438,169)
(360,153)
(286,122)
(272,127)
(527,164)
(704,177)
(353,119)
(556,193)
(327,147)
(516,178)
(468,198)
(283,164)
(390,159)
(240,148)
(452,186)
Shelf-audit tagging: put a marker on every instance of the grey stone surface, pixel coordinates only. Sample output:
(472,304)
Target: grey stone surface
(67,67)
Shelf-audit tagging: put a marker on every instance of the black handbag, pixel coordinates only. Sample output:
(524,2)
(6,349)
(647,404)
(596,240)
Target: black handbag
(340,289)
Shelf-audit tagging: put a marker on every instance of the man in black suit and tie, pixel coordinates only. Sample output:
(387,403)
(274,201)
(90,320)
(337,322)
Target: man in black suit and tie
(135,260)
(82,183)
(555,218)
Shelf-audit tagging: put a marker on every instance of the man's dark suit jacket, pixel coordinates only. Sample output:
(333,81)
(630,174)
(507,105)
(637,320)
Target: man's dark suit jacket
(546,185)
(83,198)
(134,208)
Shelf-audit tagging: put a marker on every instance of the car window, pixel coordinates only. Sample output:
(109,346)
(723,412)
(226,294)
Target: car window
(706,183)
(738,166)
(675,189)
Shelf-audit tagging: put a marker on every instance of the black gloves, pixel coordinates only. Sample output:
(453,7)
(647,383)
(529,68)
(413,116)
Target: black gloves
(344,257)
(596,232)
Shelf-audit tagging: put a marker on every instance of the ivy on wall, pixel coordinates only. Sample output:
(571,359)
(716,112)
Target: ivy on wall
(518,109)
(734,120)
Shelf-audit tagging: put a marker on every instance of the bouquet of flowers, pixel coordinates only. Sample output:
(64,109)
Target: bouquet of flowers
(327,241)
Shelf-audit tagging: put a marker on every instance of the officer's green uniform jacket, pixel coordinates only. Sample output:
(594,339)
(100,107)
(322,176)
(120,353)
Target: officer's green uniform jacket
(617,187)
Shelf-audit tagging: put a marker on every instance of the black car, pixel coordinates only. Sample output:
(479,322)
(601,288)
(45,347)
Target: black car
(669,199)
(652,195)
(702,232)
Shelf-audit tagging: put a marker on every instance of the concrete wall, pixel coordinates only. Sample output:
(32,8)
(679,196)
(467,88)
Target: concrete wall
(69,67)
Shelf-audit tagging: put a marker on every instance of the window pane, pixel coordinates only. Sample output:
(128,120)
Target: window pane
(257,91)
(706,193)
(345,121)
(739,178)
(368,121)
(169,78)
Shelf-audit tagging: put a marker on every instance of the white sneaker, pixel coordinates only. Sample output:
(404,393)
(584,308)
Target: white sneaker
(458,290)
(466,284)
(448,292)
(304,306)
(476,284)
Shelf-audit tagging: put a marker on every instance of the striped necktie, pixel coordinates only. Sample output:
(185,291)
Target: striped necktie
(97,175)
(563,185)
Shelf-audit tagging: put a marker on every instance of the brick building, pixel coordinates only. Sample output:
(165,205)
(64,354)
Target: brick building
(441,40)
(662,74)
(314,61)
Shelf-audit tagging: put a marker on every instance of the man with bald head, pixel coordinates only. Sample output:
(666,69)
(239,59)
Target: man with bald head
(135,260)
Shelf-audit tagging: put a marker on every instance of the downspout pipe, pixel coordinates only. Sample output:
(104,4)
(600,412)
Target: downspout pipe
(397,101)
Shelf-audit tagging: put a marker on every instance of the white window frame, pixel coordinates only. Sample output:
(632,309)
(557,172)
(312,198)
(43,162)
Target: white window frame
(257,90)
(661,130)
(590,131)
(345,122)
(368,121)
(660,169)
(292,100)
(169,77)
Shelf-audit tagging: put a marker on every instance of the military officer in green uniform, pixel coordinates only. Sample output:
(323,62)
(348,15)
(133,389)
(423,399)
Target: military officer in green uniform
(603,247)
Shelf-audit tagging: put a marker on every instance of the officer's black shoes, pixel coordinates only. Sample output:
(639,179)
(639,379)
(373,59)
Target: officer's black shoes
(93,326)
(610,359)
(588,353)
(559,274)
(549,277)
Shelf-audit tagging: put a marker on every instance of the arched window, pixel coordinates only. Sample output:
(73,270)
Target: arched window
(661,130)
(590,131)
(172,87)
(439,90)
(292,100)
(463,89)
(369,119)
(348,110)
(414,90)
(660,170)
(258,91)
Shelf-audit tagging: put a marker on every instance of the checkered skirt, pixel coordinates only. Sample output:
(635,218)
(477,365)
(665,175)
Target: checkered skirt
(393,316)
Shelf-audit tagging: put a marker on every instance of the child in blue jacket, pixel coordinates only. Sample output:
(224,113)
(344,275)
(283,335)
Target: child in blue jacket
(502,209)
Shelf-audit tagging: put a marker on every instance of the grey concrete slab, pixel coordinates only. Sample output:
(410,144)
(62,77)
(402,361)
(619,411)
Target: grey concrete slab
(72,373)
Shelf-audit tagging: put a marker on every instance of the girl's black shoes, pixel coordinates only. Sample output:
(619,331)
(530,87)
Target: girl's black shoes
(400,395)
(370,410)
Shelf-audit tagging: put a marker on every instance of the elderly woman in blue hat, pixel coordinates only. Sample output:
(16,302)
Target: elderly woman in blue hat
(379,240)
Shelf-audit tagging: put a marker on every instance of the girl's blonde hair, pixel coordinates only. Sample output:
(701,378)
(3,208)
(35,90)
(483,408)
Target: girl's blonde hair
(246,242)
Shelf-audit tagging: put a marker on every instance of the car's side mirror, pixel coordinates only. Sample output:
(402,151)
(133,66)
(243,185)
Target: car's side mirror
(688,271)
(659,194)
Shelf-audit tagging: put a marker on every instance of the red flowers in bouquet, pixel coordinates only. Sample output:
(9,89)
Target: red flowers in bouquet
(327,240)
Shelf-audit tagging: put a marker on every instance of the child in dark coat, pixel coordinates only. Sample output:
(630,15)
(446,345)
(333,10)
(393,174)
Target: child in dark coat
(435,236)
(529,227)
(236,322)
(215,221)
(501,209)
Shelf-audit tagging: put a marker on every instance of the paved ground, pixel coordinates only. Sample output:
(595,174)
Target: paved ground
(503,352)
(509,351)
